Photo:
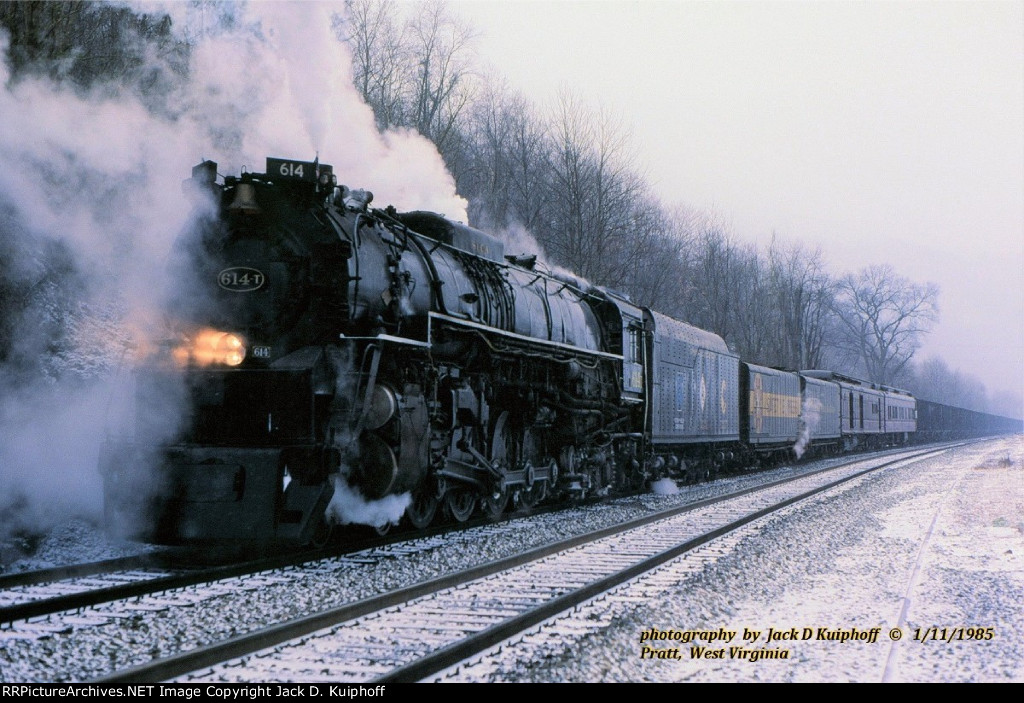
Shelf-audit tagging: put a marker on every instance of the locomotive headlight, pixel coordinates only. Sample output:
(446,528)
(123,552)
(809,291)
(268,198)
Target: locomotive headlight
(212,347)
(232,348)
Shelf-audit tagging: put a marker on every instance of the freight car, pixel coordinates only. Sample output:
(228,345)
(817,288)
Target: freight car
(323,348)
(937,422)
(770,405)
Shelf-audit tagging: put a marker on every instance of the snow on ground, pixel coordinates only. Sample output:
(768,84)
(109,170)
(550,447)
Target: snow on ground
(71,542)
(937,545)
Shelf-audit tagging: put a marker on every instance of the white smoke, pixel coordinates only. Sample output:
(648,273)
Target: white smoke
(570,277)
(520,241)
(349,506)
(810,416)
(96,180)
(101,176)
(281,85)
(664,487)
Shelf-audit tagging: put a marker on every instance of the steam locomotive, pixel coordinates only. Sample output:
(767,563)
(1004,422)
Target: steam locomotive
(323,346)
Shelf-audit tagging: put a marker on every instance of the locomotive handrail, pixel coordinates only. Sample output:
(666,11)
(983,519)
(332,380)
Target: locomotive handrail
(385,338)
(519,337)
(564,359)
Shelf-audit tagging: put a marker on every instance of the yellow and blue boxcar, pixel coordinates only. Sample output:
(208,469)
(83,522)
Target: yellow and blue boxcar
(769,406)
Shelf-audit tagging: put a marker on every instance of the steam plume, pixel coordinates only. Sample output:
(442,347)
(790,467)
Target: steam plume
(98,177)
(810,415)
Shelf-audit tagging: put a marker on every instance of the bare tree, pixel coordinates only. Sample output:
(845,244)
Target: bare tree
(713,280)
(440,90)
(527,158)
(570,181)
(414,73)
(571,137)
(507,178)
(596,195)
(658,270)
(380,57)
(882,316)
(44,35)
(803,295)
(96,45)
(754,316)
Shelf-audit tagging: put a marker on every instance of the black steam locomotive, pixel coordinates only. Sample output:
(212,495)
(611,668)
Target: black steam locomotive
(323,345)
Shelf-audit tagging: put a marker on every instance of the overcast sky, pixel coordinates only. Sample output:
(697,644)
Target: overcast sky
(881,131)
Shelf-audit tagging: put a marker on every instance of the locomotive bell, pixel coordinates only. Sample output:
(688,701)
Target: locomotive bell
(245,199)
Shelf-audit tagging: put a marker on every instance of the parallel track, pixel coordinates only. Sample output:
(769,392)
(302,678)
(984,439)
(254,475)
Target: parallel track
(45,592)
(413,632)
(73,571)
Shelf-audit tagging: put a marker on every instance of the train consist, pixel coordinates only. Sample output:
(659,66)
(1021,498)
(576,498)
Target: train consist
(324,345)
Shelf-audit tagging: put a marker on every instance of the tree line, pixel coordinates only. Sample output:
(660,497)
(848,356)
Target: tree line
(567,174)
(561,178)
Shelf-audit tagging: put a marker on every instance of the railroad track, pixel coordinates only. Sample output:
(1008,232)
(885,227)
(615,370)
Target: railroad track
(40,596)
(72,571)
(412,633)
(43,593)
(44,598)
